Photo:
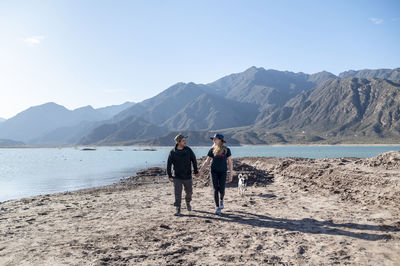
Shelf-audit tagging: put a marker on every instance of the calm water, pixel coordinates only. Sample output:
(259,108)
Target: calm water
(34,171)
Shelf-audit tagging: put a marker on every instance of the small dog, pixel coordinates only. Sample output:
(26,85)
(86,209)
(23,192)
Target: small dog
(242,183)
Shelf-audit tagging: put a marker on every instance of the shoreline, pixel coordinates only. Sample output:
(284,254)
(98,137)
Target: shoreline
(194,146)
(158,165)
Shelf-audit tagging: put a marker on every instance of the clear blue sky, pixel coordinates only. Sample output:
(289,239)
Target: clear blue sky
(99,53)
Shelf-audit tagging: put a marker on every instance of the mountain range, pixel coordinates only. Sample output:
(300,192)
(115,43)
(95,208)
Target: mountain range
(53,124)
(257,106)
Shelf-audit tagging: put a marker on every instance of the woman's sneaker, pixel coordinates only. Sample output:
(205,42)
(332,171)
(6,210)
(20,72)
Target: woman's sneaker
(218,211)
(221,204)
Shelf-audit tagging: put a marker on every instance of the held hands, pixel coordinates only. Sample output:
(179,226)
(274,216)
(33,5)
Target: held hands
(199,172)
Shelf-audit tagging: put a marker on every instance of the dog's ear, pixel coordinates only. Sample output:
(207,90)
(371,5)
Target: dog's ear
(240,175)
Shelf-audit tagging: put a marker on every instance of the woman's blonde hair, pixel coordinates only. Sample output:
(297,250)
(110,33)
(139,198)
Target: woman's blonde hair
(219,149)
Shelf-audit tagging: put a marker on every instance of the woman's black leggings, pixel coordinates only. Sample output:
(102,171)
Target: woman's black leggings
(219,180)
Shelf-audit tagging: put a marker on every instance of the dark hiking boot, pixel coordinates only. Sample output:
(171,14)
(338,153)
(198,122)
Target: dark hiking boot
(178,211)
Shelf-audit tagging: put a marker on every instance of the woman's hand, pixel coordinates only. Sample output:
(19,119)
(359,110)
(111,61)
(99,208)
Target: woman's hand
(229,177)
(230,167)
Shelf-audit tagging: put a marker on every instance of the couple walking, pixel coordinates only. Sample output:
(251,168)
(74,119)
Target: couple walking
(182,157)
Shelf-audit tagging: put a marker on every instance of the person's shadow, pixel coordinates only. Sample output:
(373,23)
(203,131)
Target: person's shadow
(306,225)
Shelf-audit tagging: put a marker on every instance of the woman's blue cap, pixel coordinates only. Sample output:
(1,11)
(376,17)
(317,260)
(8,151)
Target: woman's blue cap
(219,136)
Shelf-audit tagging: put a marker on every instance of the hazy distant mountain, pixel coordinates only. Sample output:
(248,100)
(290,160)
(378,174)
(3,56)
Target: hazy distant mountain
(127,129)
(10,143)
(69,135)
(391,74)
(53,124)
(38,120)
(342,107)
(112,110)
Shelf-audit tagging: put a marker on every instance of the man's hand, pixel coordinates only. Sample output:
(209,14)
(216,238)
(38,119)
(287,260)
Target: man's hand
(170,179)
(197,175)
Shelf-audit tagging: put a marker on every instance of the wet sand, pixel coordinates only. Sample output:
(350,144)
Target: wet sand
(295,212)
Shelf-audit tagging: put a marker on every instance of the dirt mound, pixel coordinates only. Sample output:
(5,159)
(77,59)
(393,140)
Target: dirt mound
(255,176)
(387,160)
(153,171)
(144,176)
(372,181)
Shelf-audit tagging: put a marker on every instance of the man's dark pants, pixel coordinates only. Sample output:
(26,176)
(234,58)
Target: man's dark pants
(187,185)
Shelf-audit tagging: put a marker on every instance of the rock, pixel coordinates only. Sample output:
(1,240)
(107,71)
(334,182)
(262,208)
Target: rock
(164,226)
(301,250)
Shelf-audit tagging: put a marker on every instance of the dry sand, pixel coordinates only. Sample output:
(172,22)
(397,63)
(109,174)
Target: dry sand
(296,212)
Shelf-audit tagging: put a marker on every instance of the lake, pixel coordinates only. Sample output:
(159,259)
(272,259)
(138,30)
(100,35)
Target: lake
(27,172)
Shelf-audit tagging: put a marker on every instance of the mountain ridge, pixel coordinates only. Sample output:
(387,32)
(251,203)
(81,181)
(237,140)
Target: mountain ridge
(256,106)
(384,73)
(368,107)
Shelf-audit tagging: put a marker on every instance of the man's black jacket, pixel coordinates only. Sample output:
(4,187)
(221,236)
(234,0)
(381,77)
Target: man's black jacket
(181,160)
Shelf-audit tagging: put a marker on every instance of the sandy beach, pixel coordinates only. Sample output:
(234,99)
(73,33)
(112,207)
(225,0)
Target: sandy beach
(294,212)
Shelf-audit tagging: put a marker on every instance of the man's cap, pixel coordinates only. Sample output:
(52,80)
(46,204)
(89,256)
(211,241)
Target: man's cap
(218,136)
(179,137)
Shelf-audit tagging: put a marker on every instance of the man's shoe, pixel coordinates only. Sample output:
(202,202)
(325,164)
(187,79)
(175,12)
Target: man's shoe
(218,211)
(221,204)
(188,206)
(178,211)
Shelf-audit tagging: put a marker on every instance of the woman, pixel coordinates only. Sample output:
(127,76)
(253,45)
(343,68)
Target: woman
(221,159)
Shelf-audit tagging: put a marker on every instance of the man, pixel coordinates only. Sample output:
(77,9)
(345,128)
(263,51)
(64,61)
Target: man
(181,157)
